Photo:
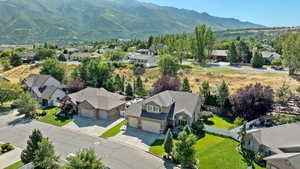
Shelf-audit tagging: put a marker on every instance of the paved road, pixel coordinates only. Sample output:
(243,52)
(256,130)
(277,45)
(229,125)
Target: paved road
(113,154)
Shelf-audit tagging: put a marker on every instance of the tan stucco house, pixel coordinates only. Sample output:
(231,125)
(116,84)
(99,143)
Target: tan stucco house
(97,103)
(46,89)
(166,109)
(280,145)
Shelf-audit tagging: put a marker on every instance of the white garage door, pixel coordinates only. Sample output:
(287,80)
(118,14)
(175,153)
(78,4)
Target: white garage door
(87,113)
(133,122)
(103,114)
(151,126)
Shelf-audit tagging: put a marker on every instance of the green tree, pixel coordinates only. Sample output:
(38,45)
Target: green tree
(184,151)
(27,105)
(186,85)
(150,42)
(283,93)
(15,59)
(222,94)
(139,87)
(242,137)
(187,129)
(99,74)
(168,64)
(168,143)
(45,157)
(28,154)
(43,53)
(5,62)
(9,91)
(54,68)
(202,42)
(244,51)
(257,60)
(85,159)
(129,90)
(232,54)
(205,91)
(291,52)
(119,83)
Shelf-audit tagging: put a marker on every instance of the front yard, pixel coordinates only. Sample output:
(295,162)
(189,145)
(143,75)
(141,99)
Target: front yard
(52,118)
(114,131)
(213,152)
(16,165)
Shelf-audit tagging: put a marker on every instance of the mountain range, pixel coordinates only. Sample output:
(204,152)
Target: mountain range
(61,21)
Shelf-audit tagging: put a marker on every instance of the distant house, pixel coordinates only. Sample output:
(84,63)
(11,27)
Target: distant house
(142,59)
(27,57)
(279,144)
(46,89)
(270,55)
(80,55)
(97,103)
(219,55)
(166,109)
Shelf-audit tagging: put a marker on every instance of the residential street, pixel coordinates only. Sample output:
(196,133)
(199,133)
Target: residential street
(113,154)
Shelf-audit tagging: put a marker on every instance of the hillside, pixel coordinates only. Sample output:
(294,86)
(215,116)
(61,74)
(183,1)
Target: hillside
(30,21)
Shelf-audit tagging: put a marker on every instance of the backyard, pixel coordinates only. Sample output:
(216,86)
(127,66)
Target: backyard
(220,122)
(212,152)
(52,118)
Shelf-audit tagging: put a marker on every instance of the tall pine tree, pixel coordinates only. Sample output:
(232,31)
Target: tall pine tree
(186,85)
(168,143)
(27,154)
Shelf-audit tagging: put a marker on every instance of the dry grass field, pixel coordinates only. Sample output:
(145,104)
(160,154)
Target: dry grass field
(235,78)
(196,75)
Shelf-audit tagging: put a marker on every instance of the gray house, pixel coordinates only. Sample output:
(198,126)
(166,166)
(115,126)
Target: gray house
(166,109)
(97,103)
(46,89)
(279,144)
(143,59)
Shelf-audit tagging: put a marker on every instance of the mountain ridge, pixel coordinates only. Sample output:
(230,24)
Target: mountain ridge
(61,21)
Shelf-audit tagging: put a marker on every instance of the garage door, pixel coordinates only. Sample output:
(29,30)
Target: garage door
(103,115)
(133,122)
(151,126)
(87,112)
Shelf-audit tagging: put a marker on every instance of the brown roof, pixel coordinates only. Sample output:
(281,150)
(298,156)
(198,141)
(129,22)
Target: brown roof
(99,98)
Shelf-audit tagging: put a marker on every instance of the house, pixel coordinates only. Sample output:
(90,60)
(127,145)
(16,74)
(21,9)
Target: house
(97,103)
(166,109)
(46,89)
(81,55)
(219,55)
(27,57)
(283,161)
(278,144)
(270,55)
(142,59)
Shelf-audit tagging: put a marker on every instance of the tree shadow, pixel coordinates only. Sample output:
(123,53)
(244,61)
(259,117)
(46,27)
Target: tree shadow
(19,121)
(209,122)
(296,77)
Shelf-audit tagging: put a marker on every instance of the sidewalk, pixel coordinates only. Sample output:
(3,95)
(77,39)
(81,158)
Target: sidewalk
(10,157)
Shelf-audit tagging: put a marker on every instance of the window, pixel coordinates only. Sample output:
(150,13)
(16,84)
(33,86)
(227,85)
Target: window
(151,108)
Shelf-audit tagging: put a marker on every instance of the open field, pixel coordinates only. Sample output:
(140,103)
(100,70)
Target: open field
(235,78)
(196,75)
(213,152)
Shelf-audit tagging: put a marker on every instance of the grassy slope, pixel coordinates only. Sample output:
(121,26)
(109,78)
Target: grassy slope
(51,118)
(114,131)
(213,152)
(16,165)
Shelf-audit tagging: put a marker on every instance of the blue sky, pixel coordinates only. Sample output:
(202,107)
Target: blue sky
(265,12)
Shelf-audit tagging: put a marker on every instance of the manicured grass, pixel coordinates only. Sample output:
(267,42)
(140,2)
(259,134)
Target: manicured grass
(54,119)
(16,165)
(213,152)
(115,130)
(220,122)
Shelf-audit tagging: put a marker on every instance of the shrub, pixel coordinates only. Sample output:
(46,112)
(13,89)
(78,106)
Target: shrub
(283,93)
(257,60)
(6,147)
(197,128)
(252,101)
(277,62)
(166,82)
(238,121)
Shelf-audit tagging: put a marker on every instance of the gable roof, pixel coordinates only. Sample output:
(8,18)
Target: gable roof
(292,160)
(271,55)
(180,101)
(219,53)
(278,137)
(99,98)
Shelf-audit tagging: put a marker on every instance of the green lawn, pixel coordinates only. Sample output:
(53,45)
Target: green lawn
(53,119)
(213,152)
(115,130)
(15,165)
(220,122)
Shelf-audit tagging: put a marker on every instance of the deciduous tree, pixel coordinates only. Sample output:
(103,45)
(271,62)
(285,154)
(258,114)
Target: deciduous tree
(54,68)
(85,159)
(166,82)
(202,42)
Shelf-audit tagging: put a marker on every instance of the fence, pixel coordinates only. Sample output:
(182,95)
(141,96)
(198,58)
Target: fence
(221,132)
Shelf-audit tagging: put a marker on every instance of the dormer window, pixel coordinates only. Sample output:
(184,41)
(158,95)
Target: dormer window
(151,108)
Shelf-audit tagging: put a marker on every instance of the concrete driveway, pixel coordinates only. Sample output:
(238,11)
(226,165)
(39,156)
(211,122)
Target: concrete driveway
(113,154)
(90,126)
(136,137)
